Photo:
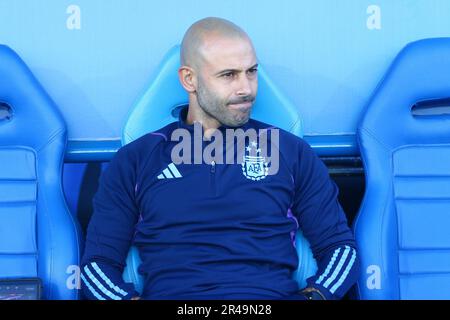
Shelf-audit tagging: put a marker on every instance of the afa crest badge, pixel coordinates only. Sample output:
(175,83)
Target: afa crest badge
(254,167)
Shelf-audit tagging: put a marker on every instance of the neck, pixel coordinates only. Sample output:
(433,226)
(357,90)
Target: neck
(196,114)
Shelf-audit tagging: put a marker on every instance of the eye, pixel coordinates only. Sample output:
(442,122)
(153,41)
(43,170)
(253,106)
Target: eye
(252,71)
(228,75)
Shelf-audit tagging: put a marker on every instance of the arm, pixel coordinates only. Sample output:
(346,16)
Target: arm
(324,224)
(110,232)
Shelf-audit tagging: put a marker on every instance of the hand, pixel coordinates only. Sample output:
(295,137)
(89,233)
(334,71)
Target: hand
(136,298)
(312,294)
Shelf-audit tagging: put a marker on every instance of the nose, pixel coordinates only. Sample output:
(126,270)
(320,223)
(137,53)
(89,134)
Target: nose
(244,86)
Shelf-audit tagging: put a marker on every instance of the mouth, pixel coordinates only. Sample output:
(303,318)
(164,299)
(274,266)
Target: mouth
(244,106)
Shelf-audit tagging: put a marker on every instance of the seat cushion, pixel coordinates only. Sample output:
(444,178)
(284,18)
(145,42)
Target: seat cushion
(18,195)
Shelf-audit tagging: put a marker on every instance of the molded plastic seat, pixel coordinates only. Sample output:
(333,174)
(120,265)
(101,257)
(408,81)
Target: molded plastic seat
(402,229)
(38,236)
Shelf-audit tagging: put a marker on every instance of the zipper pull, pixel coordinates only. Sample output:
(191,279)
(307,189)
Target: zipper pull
(213,166)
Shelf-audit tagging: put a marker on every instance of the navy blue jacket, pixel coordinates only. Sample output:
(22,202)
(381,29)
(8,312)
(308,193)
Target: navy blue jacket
(210,230)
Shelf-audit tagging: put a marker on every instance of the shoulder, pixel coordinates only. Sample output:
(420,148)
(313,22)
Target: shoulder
(288,143)
(147,143)
(293,152)
(138,152)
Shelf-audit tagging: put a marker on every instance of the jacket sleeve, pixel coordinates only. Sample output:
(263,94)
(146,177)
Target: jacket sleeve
(323,222)
(110,233)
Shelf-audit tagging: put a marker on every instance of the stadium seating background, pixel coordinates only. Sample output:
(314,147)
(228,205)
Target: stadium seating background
(95,57)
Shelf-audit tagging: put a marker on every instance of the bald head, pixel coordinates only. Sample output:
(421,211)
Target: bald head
(219,72)
(202,31)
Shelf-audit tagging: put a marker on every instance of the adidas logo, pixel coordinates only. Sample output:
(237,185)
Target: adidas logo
(170,172)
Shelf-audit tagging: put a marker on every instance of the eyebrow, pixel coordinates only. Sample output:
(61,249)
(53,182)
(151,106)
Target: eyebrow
(235,70)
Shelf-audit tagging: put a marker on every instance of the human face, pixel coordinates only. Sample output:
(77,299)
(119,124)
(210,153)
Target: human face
(227,81)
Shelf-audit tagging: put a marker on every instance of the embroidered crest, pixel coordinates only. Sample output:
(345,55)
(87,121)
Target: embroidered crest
(254,167)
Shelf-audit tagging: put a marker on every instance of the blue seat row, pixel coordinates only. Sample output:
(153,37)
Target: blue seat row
(404,139)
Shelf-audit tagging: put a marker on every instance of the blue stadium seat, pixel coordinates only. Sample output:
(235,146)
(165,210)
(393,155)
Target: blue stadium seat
(157,107)
(38,236)
(403,227)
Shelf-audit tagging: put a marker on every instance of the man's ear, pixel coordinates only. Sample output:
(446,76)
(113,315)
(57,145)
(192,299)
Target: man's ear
(187,79)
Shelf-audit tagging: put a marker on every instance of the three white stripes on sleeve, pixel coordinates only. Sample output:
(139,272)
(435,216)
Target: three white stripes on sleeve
(337,269)
(118,293)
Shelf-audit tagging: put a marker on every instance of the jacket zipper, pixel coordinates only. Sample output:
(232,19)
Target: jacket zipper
(213,177)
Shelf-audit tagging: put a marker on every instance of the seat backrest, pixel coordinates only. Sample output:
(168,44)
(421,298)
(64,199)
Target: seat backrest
(402,229)
(157,107)
(38,235)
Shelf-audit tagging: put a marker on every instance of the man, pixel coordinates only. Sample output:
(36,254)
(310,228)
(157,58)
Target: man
(215,230)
